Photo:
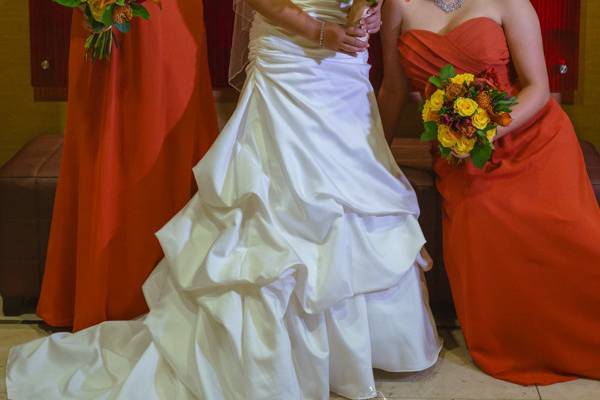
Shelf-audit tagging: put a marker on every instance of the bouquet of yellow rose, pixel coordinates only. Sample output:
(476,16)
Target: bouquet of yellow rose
(463,114)
(103,16)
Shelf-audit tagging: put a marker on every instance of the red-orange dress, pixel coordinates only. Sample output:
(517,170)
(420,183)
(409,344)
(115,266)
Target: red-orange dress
(522,237)
(136,126)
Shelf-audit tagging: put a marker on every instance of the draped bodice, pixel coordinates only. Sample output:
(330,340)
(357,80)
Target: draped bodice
(275,43)
(329,10)
(475,45)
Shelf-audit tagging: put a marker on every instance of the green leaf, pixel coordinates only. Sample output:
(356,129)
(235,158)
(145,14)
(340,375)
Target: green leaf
(124,27)
(437,82)
(107,18)
(140,11)
(430,133)
(444,151)
(447,72)
(69,3)
(481,154)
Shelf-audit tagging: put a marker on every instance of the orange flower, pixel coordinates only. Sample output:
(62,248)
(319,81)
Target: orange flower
(467,130)
(122,14)
(484,100)
(502,119)
(434,116)
(454,91)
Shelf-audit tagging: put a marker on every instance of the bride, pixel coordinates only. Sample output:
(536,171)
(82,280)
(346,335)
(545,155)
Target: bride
(295,271)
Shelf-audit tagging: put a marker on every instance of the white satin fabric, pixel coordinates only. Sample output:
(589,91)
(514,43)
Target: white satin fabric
(291,273)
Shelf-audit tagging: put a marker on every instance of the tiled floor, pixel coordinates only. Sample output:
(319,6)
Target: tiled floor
(453,378)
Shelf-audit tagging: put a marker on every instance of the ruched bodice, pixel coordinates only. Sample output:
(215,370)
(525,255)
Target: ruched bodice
(279,45)
(329,10)
(475,45)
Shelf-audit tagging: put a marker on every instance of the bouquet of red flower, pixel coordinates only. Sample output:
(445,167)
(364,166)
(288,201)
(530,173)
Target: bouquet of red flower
(103,16)
(463,113)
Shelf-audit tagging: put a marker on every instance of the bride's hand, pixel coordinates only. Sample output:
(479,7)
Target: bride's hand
(344,39)
(371,23)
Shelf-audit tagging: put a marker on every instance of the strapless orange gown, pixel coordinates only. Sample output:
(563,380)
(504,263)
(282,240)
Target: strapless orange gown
(522,236)
(136,126)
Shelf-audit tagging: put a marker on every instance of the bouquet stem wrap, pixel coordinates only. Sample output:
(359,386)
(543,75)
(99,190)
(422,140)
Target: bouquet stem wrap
(103,17)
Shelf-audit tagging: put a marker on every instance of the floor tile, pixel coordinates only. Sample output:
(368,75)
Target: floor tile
(581,389)
(2,381)
(454,377)
(14,334)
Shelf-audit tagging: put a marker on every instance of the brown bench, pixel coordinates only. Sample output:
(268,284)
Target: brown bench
(27,187)
(592,161)
(28,183)
(414,158)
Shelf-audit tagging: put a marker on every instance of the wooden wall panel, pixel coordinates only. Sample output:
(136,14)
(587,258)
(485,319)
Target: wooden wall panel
(49,26)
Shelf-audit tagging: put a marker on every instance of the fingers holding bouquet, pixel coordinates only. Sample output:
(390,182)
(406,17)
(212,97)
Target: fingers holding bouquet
(365,14)
(371,20)
(344,39)
(364,17)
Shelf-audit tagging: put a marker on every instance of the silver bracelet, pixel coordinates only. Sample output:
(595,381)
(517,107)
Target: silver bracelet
(322,35)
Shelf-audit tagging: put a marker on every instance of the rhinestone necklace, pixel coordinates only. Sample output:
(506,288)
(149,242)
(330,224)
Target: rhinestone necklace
(449,6)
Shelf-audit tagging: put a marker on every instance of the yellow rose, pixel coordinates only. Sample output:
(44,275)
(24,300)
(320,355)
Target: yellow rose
(437,100)
(98,7)
(463,78)
(464,145)
(465,107)
(426,111)
(491,134)
(481,119)
(445,136)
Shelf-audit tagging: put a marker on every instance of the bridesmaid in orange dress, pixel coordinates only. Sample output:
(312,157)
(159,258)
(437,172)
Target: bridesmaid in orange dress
(521,236)
(136,126)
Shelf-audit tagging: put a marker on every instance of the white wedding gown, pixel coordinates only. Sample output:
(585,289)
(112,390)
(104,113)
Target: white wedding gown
(292,273)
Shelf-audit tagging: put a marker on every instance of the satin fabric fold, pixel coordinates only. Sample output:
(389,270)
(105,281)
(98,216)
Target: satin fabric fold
(293,272)
(520,235)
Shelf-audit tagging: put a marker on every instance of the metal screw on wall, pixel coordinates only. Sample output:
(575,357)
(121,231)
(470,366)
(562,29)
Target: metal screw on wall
(563,67)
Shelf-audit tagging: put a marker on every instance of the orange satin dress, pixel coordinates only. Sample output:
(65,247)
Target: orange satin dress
(135,128)
(522,236)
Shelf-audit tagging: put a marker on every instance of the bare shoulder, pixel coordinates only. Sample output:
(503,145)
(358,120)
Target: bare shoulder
(514,8)
(393,12)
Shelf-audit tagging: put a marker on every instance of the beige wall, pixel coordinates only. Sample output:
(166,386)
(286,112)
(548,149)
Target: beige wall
(585,113)
(20,117)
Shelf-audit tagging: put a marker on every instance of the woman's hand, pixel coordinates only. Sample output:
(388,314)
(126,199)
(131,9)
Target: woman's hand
(371,23)
(345,40)
(461,156)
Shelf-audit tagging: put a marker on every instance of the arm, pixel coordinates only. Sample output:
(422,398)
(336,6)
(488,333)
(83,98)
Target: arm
(524,38)
(394,87)
(285,14)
